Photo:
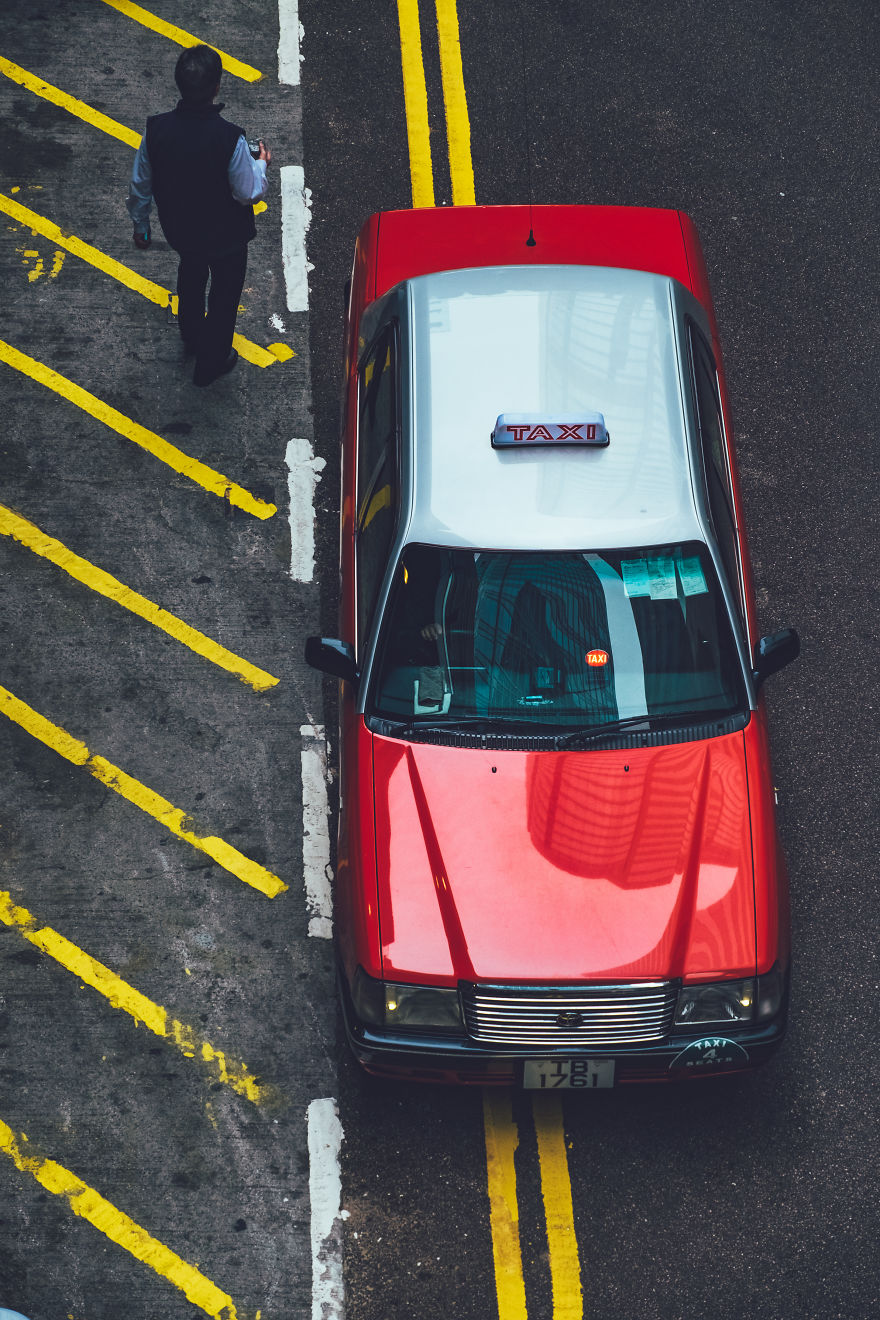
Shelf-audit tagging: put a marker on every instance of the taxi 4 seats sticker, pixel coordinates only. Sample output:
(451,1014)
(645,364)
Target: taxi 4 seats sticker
(710,1052)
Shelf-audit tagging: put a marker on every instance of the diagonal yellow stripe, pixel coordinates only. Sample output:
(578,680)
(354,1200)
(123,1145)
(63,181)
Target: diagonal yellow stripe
(119,994)
(11,524)
(69,103)
(175,820)
(458,127)
(415,97)
(118,1227)
(175,458)
(156,293)
(502,1139)
(565,1269)
(231,65)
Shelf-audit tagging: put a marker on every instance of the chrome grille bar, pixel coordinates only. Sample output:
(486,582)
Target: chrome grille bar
(608,1015)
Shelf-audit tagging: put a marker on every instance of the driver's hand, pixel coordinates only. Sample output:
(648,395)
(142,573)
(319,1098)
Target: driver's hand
(431,632)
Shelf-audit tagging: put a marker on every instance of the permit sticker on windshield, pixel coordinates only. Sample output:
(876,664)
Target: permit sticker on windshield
(661,579)
(635,577)
(649,577)
(692,577)
(515,430)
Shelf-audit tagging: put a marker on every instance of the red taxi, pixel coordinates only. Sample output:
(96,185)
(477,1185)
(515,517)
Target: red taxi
(557,858)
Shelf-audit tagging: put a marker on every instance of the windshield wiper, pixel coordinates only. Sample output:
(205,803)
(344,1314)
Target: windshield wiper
(496,724)
(592,732)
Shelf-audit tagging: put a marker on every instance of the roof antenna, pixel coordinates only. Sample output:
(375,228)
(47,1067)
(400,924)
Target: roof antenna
(531,241)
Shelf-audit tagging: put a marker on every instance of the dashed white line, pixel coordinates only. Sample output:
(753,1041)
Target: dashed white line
(289,36)
(317,875)
(325,1196)
(296,214)
(303,474)
(304,471)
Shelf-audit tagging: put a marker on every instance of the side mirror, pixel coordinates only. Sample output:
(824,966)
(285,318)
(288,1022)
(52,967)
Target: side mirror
(332,657)
(774,652)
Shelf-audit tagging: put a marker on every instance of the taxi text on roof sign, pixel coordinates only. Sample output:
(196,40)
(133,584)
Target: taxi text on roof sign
(515,429)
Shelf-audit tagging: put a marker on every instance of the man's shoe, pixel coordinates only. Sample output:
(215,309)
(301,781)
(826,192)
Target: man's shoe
(208,377)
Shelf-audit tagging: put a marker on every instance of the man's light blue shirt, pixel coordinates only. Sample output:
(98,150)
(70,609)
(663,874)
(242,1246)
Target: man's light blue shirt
(248,182)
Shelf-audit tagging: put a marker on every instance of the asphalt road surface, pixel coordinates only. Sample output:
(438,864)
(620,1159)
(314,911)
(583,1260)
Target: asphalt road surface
(755,1196)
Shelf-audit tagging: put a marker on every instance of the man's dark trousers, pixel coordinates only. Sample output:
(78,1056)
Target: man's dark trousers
(209,336)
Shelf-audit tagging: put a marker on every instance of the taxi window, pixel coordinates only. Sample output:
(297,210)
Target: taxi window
(377,412)
(709,407)
(377,472)
(558,640)
(714,452)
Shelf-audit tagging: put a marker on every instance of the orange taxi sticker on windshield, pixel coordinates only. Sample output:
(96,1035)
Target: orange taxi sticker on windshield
(597,657)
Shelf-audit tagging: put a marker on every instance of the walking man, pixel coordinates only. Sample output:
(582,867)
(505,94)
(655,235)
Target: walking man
(200,171)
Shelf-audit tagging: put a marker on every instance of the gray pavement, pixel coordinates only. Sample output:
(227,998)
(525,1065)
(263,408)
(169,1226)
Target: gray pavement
(219,1180)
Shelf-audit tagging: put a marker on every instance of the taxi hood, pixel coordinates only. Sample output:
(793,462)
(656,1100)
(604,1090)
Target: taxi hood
(563,866)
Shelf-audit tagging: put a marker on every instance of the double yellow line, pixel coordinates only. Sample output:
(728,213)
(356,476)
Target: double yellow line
(415,92)
(502,1141)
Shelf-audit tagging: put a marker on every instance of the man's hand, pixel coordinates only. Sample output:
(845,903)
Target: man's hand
(265,153)
(141,240)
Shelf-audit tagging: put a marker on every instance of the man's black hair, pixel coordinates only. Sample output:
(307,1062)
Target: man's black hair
(198,73)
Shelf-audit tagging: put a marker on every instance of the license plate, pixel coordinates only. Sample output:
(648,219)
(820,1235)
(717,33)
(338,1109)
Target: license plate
(574,1074)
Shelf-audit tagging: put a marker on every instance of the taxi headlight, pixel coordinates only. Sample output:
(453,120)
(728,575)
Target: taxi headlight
(717,1001)
(390,1004)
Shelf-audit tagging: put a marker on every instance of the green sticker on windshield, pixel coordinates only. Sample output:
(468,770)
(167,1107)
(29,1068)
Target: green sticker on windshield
(635,577)
(693,580)
(661,579)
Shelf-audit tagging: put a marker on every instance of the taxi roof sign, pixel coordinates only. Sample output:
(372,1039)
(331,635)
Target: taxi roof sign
(514,430)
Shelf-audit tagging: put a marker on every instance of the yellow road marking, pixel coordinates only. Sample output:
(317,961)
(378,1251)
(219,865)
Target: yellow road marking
(175,820)
(118,1227)
(119,994)
(415,96)
(565,1269)
(156,293)
(231,65)
(69,103)
(281,352)
(175,458)
(458,128)
(502,1139)
(27,534)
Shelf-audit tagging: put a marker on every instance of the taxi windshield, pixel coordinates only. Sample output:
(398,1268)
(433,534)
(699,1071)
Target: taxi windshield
(563,640)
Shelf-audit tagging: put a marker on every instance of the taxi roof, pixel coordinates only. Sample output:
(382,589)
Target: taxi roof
(547,340)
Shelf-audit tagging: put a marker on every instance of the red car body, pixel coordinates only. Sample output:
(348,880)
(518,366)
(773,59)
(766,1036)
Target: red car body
(450,859)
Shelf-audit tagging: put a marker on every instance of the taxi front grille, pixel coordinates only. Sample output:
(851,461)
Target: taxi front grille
(597,1015)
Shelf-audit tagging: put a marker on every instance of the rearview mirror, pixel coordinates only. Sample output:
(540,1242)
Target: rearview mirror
(332,657)
(774,652)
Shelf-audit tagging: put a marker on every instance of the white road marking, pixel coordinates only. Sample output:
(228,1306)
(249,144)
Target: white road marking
(296,215)
(325,1195)
(277,324)
(303,474)
(289,36)
(317,873)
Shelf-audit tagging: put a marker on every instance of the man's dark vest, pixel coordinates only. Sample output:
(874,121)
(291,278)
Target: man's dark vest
(190,148)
